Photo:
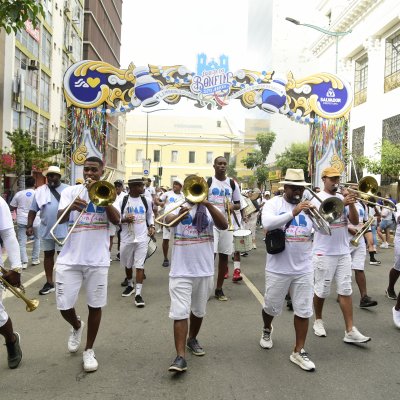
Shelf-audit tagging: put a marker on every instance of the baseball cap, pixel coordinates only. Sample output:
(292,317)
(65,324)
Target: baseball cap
(330,172)
(119,182)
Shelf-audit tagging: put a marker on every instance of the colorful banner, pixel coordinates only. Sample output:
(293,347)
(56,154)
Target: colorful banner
(95,84)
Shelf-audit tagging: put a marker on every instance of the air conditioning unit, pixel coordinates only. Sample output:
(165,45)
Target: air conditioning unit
(69,49)
(33,65)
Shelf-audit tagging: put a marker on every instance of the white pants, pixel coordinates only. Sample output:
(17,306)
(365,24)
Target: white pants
(396,265)
(3,312)
(223,241)
(133,255)
(358,256)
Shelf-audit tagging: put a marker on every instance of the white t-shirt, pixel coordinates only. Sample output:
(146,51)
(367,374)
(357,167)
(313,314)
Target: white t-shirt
(89,242)
(6,221)
(296,259)
(137,230)
(171,197)
(22,201)
(192,252)
(219,190)
(338,242)
(397,215)
(149,192)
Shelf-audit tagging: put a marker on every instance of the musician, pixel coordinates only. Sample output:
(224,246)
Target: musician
(137,224)
(166,201)
(290,270)
(84,258)
(359,252)
(221,188)
(13,277)
(332,260)
(395,271)
(191,278)
(46,200)
(251,220)
(116,229)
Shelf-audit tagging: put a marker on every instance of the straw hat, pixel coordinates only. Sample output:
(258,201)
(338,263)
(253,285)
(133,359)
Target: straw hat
(135,179)
(53,169)
(294,177)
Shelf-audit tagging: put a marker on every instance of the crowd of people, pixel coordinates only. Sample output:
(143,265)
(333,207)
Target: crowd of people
(303,257)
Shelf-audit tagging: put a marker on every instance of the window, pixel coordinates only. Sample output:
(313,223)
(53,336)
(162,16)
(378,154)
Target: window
(139,155)
(361,80)
(46,48)
(227,156)
(43,132)
(31,123)
(392,63)
(29,42)
(45,91)
(174,156)
(192,157)
(156,156)
(209,157)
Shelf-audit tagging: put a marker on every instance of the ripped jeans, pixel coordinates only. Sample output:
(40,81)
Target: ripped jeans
(327,268)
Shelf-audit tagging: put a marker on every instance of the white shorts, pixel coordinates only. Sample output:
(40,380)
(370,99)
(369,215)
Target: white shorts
(301,292)
(223,241)
(358,256)
(328,267)
(113,229)
(166,233)
(3,312)
(133,255)
(189,295)
(69,279)
(396,265)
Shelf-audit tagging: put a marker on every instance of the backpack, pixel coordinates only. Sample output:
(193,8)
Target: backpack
(125,201)
(231,181)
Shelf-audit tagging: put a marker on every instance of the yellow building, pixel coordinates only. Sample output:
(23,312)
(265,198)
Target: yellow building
(181,145)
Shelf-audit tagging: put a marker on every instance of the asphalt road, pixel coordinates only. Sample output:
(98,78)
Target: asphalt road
(135,346)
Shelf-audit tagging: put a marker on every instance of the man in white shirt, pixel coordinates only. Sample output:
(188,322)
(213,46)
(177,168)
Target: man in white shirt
(332,260)
(22,202)
(290,270)
(224,193)
(115,229)
(13,277)
(191,278)
(137,224)
(85,258)
(168,200)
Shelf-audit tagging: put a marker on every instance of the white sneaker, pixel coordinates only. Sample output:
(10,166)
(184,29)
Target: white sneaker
(75,337)
(35,262)
(396,317)
(355,336)
(319,328)
(24,265)
(384,245)
(90,363)
(266,338)
(302,359)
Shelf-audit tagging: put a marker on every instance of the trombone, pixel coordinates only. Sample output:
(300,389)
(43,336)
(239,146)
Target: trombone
(195,190)
(31,305)
(329,210)
(228,213)
(367,188)
(360,233)
(101,193)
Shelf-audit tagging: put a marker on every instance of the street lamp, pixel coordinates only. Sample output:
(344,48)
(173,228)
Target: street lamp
(324,31)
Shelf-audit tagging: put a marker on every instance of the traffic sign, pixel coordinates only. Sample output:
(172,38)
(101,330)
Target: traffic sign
(145,172)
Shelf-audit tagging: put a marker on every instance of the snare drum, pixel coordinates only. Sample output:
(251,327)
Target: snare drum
(151,247)
(242,240)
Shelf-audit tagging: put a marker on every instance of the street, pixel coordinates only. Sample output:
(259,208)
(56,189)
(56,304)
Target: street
(135,346)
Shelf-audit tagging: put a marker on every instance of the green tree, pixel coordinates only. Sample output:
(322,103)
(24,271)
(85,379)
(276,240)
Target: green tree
(296,156)
(23,155)
(256,159)
(14,14)
(231,170)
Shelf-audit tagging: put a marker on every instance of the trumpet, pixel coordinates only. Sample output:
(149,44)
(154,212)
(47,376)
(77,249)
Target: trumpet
(360,233)
(367,189)
(101,193)
(195,190)
(329,210)
(31,305)
(228,212)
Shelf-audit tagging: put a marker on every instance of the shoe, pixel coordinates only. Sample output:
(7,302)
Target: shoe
(165,263)
(47,288)
(236,275)
(396,318)
(24,265)
(129,290)
(117,257)
(226,276)
(374,262)
(111,260)
(139,302)
(158,231)
(302,359)
(319,328)
(194,346)
(124,282)
(90,363)
(266,338)
(75,337)
(35,262)
(244,254)
(384,245)
(219,294)
(14,352)
(391,294)
(354,336)
(179,365)
(254,246)
(366,301)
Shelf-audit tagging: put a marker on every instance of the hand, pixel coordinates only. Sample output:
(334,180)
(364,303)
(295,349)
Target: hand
(352,231)
(78,205)
(13,278)
(304,205)
(183,210)
(129,218)
(350,199)
(152,231)
(29,231)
